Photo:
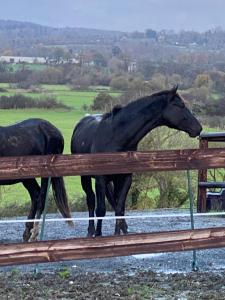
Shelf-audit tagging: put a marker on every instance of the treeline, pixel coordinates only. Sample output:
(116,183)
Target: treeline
(20,101)
(23,35)
(202,87)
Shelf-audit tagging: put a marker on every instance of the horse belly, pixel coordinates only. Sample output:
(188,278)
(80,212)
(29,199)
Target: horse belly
(9,182)
(82,140)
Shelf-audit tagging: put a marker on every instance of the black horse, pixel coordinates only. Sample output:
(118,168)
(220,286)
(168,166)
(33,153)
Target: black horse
(35,137)
(121,130)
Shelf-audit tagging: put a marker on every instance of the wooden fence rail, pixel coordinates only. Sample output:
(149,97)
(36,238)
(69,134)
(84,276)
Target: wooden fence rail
(99,247)
(110,163)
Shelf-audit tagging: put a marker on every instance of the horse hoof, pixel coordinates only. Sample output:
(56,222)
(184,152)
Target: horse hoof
(98,234)
(124,230)
(117,231)
(91,231)
(34,234)
(26,239)
(90,234)
(26,236)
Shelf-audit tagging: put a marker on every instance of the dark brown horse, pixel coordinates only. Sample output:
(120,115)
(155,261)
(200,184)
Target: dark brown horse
(121,130)
(35,137)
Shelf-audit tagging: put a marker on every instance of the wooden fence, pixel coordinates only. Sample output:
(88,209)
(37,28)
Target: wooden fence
(204,139)
(109,246)
(111,163)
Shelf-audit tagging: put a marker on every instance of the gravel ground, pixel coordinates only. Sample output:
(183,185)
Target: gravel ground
(153,276)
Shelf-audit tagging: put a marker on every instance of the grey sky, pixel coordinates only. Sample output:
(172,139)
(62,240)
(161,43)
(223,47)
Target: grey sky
(127,15)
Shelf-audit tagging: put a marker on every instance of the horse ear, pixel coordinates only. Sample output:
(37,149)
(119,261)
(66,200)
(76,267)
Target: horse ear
(172,92)
(174,89)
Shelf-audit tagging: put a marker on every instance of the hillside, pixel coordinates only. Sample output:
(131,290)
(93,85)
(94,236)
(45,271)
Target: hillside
(15,34)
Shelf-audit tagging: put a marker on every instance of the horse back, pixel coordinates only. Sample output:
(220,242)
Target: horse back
(30,137)
(84,134)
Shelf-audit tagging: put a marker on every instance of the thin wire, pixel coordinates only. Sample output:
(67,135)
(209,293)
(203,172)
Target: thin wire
(114,217)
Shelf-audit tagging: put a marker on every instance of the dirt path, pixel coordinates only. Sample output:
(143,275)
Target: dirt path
(159,276)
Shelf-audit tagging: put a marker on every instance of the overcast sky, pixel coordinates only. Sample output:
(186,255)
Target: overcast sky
(125,15)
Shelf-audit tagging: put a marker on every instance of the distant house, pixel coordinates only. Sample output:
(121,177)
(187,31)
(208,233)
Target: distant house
(36,60)
(74,61)
(22,59)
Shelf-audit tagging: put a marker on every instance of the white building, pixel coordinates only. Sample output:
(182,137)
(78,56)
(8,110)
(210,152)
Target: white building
(23,59)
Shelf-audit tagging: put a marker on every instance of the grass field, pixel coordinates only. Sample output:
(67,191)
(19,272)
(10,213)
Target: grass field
(15,196)
(63,119)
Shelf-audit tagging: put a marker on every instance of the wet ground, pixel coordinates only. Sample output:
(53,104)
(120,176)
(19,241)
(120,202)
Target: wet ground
(153,276)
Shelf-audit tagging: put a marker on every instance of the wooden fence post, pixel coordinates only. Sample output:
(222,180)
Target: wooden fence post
(202,177)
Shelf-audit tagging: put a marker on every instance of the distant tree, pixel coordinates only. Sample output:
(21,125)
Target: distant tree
(99,60)
(67,55)
(103,102)
(115,65)
(82,82)
(116,51)
(125,57)
(58,54)
(137,35)
(51,75)
(7,52)
(158,82)
(3,67)
(218,78)
(152,34)
(203,80)
(119,83)
(147,68)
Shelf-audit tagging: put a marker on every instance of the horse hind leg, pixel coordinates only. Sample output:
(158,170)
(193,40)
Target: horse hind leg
(109,192)
(110,195)
(100,188)
(121,190)
(33,189)
(90,198)
(40,208)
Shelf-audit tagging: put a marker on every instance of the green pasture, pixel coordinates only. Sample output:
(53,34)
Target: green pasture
(15,195)
(65,120)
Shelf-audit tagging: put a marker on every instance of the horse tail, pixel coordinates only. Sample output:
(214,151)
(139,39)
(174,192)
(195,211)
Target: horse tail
(61,199)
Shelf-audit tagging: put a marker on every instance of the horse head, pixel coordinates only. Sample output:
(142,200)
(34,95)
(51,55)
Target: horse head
(176,115)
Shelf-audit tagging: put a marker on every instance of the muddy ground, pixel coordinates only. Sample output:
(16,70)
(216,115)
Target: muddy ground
(85,286)
(159,276)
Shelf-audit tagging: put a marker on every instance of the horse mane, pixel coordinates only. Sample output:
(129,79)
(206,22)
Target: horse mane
(136,103)
(146,99)
(112,112)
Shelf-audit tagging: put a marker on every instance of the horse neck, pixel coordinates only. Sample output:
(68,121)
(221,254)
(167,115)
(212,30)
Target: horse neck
(137,119)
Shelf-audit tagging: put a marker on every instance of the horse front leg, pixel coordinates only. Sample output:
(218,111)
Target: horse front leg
(122,186)
(100,187)
(90,198)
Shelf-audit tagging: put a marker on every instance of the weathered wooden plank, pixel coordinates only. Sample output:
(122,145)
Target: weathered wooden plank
(110,163)
(202,176)
(86,248)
